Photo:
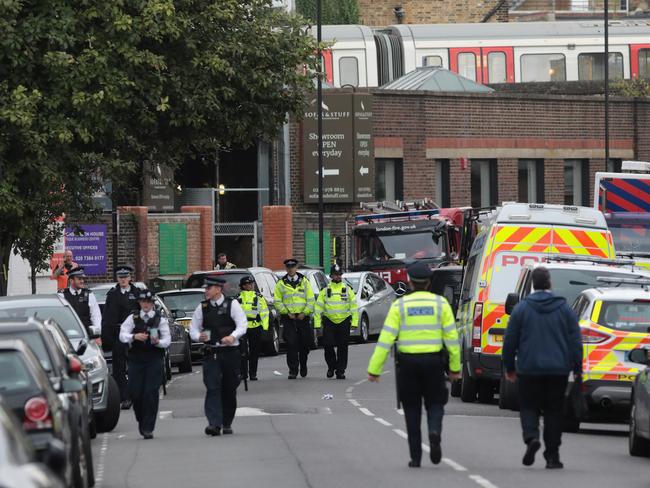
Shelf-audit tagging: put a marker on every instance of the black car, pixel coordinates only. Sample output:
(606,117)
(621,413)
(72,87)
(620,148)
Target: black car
(60,368)
(42,407)
(639,439)
(265,282)
(19,466)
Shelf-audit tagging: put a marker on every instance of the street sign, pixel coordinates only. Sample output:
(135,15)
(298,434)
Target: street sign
(88,248)
(364,158)
(338,166)
(158,188)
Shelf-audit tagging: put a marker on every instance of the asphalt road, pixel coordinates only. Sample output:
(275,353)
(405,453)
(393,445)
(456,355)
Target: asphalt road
(288,435)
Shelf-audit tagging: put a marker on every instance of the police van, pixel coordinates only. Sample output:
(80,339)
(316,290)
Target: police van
(513,235)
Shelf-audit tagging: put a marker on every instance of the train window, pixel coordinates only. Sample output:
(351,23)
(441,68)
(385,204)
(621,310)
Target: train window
(432,61)
(644,63)
(349,71)
(467,65)
(543,67)
(496,67)
(592,67)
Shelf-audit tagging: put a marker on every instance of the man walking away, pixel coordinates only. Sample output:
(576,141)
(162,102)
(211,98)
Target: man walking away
(223,263)
(542,346)
(336,310)
(257,314)
(423,325)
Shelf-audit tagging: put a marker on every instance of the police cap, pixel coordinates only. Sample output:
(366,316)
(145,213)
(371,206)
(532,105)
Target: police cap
(145,296)
(336,270)
(78,271)
(245,280)
(418,271)
(291,263)
(214,281)
(124,271)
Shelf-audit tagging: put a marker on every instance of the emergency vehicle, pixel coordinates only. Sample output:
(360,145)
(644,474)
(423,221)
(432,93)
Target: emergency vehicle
(514,235)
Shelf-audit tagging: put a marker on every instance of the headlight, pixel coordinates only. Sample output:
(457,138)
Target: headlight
(92,364)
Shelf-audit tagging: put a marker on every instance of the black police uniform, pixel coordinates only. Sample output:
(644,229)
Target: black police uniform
(79,303)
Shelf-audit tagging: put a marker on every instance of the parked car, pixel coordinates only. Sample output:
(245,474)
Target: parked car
(59,369)
(179,352)
(105,392)
(19,465)
(374,297)
(265,282)
(41,408)
(639,438)
(182,304)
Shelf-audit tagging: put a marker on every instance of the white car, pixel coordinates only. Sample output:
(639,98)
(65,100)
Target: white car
(374,298)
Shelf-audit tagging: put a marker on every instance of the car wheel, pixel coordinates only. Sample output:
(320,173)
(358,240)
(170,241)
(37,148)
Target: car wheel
(92,426)
(485,392)
(638,446)
(364,329)
(508,399)
(273,349)
(107,420)
(90,469)
(455,389)
(168,368)
(467,386)
(186,365)
(79,460)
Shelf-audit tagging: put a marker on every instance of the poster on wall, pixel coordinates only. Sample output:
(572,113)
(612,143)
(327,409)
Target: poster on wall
(88,248)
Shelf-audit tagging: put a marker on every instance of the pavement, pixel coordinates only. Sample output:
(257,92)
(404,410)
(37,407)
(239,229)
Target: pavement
(289,434)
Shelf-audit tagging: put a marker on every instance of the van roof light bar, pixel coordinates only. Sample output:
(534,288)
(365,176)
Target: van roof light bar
(640,281)
(590,259)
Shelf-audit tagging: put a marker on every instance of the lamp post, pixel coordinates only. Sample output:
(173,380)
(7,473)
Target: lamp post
(319,102)
(606,15)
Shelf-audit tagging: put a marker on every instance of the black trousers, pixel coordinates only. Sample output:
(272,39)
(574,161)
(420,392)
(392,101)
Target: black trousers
(298,336)
(145,380)
(335,343)
(221,377)
(421,378)
(543,395)
(119,359)
(255,344)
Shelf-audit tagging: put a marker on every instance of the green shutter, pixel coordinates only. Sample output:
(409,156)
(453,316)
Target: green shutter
(173,249)
(311,248)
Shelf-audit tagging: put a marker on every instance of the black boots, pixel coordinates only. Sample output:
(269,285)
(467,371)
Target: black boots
(532,446)
(435,452)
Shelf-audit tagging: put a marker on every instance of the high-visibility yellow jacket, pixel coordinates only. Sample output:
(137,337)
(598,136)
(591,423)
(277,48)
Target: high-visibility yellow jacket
(294,296)
(337,302)
(254,306)
(420,322)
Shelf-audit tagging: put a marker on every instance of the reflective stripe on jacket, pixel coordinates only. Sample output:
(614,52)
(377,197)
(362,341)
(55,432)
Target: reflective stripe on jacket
(254,306)
(294,297)
(337,302)
(421,323)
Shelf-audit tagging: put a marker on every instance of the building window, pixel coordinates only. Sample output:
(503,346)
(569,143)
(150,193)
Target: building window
(591,66)
(644,63)
(467,65)
(543,67)
(484,183)
(497,67)
(531,181)
(443,183)
(389,184)
(432,61)
(576,182)
(614,165)
(349,71)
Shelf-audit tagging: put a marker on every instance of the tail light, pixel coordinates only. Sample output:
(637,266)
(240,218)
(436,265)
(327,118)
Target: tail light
(477,324)
(37,414)
(74,365)
(591,336)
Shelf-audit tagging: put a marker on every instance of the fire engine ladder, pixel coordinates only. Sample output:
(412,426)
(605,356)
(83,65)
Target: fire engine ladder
(399,206)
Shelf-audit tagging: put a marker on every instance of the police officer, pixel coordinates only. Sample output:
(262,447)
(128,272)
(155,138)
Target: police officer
(83,301)
(423,325)
(121,301)
(148,335)
(219,322)
(294,299)
(336,310)
(257,314)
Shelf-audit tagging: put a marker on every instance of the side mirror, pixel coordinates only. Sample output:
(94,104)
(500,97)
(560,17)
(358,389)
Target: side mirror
(81,348)
(178,314)
(640,356)
(54,456)
(69,385)
(511,301)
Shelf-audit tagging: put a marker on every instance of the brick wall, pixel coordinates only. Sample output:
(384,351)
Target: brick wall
(206,233)
(381,13)
(278,235)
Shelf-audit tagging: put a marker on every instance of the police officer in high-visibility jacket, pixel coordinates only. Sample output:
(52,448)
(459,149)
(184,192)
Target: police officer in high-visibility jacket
(257,313)
(423,325)
(294,300)
(336,311)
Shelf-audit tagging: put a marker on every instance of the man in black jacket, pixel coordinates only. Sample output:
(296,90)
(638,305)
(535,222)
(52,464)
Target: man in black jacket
(121,301)
(543,339)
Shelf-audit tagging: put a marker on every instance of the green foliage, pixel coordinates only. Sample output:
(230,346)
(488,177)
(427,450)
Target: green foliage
(332,11)
(636,88)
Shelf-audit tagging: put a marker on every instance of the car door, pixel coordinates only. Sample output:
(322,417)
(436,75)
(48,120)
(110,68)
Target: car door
(642,399)
(386,296)
(370,300)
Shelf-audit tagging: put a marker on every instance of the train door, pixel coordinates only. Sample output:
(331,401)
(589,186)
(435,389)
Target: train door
(466,62)
(484,65)
(327,66)
(640,61)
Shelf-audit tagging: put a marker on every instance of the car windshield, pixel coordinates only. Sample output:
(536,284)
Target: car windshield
(631,238)
(187,301)
(568,283)
(353,281)
(230,288)
(15,374)
(376,247)
(100,294)
(35,342)
(625,316)
(62,315)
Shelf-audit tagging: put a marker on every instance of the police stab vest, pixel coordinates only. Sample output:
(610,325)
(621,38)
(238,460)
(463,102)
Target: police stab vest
(217,319)
(79,302)
(143,351)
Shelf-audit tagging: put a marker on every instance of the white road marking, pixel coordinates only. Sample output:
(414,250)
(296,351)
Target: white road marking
(383,422)
(426,448)
(400,411)
(360,382)
(401,433)
(365,411)
(255,412)
(354,402)
(454,464)
(99,472)
(165,414)
(481,481)
(349,389)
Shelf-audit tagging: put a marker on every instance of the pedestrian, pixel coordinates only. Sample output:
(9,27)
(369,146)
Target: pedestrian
(121,301)
(542,346)
(336,311)
(257,314)
(294,300)
(219,322)
(223,263)
(423,325)
(62,269)
(83,301)
(147,334)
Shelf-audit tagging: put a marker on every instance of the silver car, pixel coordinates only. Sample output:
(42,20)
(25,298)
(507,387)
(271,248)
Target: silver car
(374,297)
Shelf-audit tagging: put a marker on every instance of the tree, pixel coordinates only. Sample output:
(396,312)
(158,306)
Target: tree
(636,88)
(332,11)
(90,87)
